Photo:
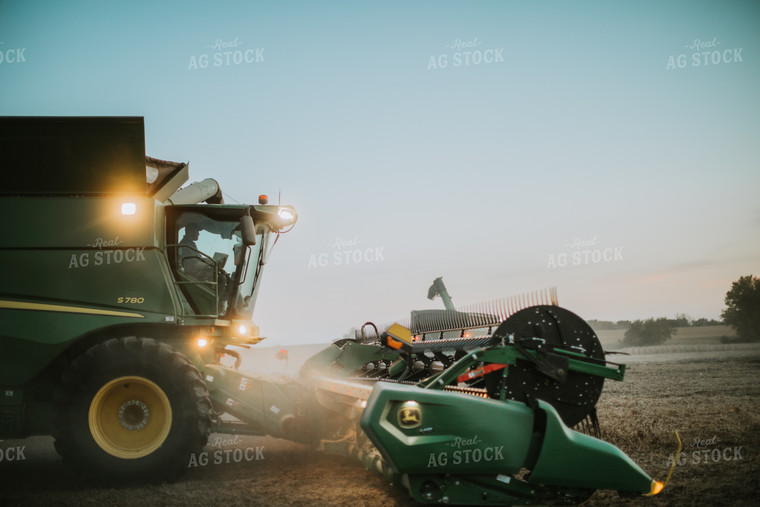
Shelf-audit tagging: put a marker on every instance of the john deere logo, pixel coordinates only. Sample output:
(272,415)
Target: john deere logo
(409,415)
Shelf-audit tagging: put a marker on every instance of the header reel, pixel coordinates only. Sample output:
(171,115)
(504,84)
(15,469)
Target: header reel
(547,353)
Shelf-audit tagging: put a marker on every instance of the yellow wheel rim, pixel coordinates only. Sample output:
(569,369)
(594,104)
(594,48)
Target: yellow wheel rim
(130,417)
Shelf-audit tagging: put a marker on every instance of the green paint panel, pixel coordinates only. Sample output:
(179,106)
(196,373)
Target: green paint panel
(570,458)
(30,339)
(451,433)
(79,222)
(120,280)
(456,433)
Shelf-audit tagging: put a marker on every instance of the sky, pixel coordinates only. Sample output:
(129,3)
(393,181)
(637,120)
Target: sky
(608,149)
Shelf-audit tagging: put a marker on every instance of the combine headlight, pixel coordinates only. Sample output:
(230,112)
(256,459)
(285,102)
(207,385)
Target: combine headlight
(243,329)
(128,208)
(286,215)
(202,342)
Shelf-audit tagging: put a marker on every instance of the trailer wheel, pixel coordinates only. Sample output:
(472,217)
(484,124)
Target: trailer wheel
(131,410)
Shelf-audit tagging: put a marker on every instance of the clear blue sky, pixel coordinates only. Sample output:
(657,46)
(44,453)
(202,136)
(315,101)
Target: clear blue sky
(580,128)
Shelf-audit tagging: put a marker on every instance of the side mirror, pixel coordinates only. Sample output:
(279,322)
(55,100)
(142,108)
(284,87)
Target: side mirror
(248,230)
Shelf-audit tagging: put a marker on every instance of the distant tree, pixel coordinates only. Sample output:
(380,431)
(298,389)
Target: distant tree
(681,320)
(608,325)
(702,322)
(601,325)
(648,332)
(743,307)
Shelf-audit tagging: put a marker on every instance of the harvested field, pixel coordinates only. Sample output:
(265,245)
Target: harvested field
(712,401)
(711,398)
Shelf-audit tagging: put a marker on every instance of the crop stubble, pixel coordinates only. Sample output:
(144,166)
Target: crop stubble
(712,401)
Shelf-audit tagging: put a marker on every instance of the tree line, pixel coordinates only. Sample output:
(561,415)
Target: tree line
(681,320)
(742,312)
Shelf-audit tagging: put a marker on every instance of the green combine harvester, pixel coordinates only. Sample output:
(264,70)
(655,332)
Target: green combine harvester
(124,294)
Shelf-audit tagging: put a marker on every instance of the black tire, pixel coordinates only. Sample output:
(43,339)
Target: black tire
(131,410)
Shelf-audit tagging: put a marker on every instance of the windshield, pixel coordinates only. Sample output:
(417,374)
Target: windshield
(215,270)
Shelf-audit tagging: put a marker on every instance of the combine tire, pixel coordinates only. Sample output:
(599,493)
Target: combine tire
(131,410)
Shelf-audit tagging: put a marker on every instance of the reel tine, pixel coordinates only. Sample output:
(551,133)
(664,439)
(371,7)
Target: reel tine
(481,314)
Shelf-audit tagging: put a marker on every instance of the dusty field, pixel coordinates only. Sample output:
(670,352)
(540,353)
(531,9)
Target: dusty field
(711,398)
(713,401)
